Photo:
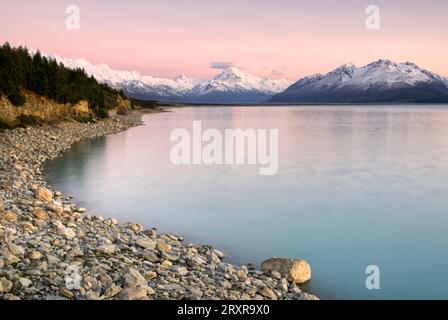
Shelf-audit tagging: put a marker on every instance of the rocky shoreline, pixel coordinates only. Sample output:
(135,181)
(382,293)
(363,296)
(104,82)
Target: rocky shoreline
(51,249)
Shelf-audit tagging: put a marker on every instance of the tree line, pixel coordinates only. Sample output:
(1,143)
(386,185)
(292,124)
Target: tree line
(19,71)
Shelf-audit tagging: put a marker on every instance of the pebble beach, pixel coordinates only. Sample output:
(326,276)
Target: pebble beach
(52,249)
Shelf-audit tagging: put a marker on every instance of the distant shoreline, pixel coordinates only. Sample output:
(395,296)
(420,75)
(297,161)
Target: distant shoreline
(273,104)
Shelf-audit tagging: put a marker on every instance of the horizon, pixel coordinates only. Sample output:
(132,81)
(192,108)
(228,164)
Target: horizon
(199,38)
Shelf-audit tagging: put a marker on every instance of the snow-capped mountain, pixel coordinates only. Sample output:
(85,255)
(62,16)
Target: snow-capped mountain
(233,85)
(379,81)
(132,82)
(230,86)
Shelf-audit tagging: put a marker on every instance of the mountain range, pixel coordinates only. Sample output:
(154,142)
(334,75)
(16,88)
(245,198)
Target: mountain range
(232,85)
(382,81)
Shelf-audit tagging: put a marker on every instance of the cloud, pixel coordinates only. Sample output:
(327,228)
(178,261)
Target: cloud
(276,73)
(221,65)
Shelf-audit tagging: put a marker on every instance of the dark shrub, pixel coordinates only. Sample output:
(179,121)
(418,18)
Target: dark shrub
(4,125)
(17,99)
(122,112)
(29,120)
(101,113)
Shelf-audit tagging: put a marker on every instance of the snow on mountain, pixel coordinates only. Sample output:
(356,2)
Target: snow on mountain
(379,81)
(231,85)
(132,82)
(382,71)
(234,80)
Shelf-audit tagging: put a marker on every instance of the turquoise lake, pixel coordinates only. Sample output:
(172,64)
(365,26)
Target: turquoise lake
(356,186)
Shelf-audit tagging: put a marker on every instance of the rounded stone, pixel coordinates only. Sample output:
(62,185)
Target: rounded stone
(43,194)
(41,214)
(297,271)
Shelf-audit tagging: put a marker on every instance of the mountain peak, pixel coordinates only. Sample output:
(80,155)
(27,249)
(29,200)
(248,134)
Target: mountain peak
(181,77)
(231,72)
(349,65)
(234,85)
(347,68)
(383,62)
(184,78)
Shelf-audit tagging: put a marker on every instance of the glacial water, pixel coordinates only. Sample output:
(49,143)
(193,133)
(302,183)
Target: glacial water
(356,186)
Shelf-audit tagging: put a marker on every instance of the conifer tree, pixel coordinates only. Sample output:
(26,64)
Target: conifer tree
(20,71)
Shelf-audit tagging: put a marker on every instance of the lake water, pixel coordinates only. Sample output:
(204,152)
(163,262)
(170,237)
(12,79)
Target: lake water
(356,186)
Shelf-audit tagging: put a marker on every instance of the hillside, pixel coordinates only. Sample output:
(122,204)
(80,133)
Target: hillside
(28,78)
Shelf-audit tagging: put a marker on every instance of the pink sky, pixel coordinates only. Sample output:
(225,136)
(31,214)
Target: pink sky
(272,38)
